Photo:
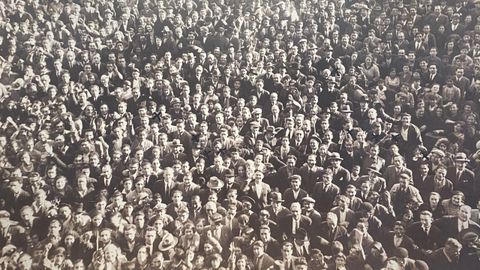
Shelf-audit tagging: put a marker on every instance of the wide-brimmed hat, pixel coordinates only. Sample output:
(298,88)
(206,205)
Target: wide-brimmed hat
(168,242)
(215,183)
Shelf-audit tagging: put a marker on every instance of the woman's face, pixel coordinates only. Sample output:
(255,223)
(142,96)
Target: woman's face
(142,254)
(241,263)
(434,200)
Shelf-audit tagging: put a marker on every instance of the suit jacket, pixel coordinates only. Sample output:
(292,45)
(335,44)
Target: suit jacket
(193,189)
(401,199)
(429,186)
(389,244)
(263,263)
(349,217)
(438,261)
(324,197)
(286,225)
(289,197)
(14,204)
(280,120)
(129,253)
(392,176)
(169,159)
(281,213)
(283,173)
(338,233)
(465,183)
(310,177)
(424,241)
(225,235)
(341,178)
(273,248)
(449,227)
(262,198)
(166,195)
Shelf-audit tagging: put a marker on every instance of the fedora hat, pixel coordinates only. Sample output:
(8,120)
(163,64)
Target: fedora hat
(335,156)
(374,169)
(276,197)
(176,142)
(215,183)
(460,156)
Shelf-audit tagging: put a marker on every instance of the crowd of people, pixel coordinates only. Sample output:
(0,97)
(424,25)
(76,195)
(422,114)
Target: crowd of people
(240,134)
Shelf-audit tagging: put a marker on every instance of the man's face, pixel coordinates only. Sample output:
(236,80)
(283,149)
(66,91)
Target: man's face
(426,220)
(464,213)
(257,251)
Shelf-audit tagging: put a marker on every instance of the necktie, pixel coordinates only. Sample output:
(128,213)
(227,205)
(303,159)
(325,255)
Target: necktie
(459,174)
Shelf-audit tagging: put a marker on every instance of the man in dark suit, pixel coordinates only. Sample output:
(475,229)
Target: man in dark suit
(325,192)
(276,209)
(346,217)
(309,211)
(392,173)
(288,260)
(328,232)
(446,258)
(290,224)
(294,193)
(463,178)
(176,154)
(129,243)
(16,197)
(285,172)
(261,260)
(310,173)
(271,245)
(165,186)
(340,175)
(397,238)
(457,226)
(427,236)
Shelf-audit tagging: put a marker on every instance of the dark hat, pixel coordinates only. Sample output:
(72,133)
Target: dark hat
(301,234)
(335,156)
(215,183)
(374,169)
(364,99)
(217,218)
(117,194)
(176,142)
(316,138)
(294,65)
(276,197)
(421,265)
(247,199)
(401,253)
(469,237)
(179,121)
(229,173)
(267,146)
(295,177)
(308,199)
